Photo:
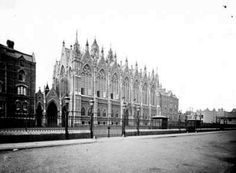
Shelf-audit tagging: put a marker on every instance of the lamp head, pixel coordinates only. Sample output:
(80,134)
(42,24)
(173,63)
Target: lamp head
(67,99)
(138,108)
(91,102)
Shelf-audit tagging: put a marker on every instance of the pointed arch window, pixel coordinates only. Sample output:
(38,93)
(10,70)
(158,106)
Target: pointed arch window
(86,79)
(62,72)
(136,91)
(104,114)
(153,100)
(125,88)
(82,111)
(112,113)
(145,93)
(63,86)
(89,111)
(101,83)
(114,87)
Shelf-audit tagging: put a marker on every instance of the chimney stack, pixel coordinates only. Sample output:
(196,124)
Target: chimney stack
(10,44)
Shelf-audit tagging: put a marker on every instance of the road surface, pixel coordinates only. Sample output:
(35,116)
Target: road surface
(203,152)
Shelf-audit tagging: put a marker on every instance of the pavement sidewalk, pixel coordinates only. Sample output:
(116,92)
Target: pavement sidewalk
(29,145)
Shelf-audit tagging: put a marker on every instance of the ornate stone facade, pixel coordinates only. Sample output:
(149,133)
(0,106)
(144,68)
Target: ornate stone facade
(92,75)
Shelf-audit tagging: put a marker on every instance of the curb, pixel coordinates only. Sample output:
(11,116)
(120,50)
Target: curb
(30,145)
(168,135)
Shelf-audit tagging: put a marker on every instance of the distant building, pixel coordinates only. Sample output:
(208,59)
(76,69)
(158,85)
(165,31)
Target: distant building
(169,105)
(17,86)
(208,115)
(89,75)
(232,117)
(213,116)
(228,117)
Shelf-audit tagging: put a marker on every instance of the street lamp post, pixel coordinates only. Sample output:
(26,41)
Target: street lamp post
(108,127)
(25,113)
(123,118)
(179,120)
(67,100)
(91,103)
(195,124)
(201,116)
(25,120)
(186,121)
(138,109)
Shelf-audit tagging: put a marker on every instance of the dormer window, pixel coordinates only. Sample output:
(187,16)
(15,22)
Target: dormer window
(22,75)
(22,63)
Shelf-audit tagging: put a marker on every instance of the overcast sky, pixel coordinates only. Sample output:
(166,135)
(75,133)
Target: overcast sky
(191,42)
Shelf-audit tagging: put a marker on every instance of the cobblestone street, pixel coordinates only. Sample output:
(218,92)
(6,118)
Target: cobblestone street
(202,152)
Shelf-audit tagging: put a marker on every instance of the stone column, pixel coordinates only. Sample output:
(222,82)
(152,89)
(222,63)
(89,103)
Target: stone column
(95,106)
(141,105)
(109,107)
(121,102)
(59,113)
(149,106)
(44,121)
(77,100)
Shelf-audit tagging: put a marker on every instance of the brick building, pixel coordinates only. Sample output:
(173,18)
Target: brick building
(17,86)
(169,105)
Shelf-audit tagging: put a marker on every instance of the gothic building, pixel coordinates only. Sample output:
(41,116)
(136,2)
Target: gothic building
(93,75)
(17,87)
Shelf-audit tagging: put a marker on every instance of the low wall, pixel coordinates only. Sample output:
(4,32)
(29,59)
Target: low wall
(39,137)
(48,134)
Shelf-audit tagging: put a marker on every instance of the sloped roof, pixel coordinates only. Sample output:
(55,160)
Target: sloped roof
(16,54)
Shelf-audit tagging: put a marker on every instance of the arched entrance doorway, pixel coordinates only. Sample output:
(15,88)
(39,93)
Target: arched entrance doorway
(39,115)
(52,115)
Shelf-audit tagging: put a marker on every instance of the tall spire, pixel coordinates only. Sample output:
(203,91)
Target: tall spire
(115,57)
(87,45)
(136,66)
(145,70)
(102,53)
(126,62)
(76,39)
(76,45)
(110,55)
(95,49)
(153,73)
